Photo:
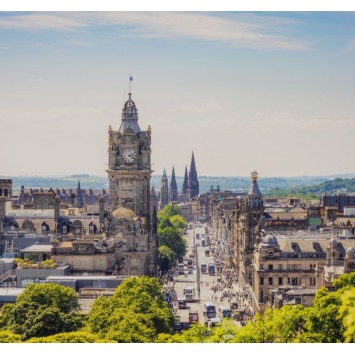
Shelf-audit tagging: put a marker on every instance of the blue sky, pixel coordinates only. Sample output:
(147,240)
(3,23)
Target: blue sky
(265,91)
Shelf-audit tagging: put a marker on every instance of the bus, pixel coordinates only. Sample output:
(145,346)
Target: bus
(225,312)
(209,310)
(211,268)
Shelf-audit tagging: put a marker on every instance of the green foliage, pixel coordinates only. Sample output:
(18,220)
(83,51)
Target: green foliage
(137,312)
(71,337)
(166,258)
(197,333)
(8,337)
(169,211)
(324,317)
(282,325)
(42,310)
(178,221)
(345,280)
(164,223)
(347,312)
(172,238)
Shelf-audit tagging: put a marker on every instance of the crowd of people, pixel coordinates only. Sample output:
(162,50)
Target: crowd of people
(227,287)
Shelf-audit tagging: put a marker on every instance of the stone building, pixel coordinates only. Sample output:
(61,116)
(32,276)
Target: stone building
(129,167)
(6,188)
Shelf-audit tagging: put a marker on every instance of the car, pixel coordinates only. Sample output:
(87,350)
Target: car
(190,270)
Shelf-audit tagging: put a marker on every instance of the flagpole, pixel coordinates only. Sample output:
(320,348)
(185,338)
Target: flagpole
(130,79)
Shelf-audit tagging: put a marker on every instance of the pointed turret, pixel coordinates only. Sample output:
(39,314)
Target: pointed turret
(164,190)
(186,180)
(153,199)
(254,194)
(173,191)
(193,185)
(79,197)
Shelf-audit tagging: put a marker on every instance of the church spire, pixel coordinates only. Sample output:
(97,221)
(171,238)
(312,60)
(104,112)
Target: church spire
(193,185)
(184,185)
(164,190)
(173,191)
(79,197)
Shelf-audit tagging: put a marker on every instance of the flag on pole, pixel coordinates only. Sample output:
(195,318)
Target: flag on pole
(130,78)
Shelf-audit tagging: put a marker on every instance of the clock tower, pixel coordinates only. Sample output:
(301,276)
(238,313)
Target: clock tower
(129,168)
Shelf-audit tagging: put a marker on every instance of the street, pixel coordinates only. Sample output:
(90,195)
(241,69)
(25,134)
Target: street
(219,288)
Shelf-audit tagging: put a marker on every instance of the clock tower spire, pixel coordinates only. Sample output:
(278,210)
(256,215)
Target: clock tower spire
(129,167)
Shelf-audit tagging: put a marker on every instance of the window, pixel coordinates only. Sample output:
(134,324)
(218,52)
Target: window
(261,281)
(261,297)
(294,281)
(280,266)
(270,281)
(261,267)
(101,263)
(280,280)
(270,267)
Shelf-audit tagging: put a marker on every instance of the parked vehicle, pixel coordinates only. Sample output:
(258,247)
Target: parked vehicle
(211,269)
(209,310)
(207,253)
(224,312)
(189,293)
(182,303)
(181,269)
(193,316)
(203,268)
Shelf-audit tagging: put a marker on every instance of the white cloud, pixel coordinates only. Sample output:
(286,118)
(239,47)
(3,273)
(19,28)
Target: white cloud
(243,30)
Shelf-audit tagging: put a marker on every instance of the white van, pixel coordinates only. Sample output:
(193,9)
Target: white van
(189,293)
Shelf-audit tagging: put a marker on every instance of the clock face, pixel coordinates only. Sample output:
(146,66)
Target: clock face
(351,265)
(129,155)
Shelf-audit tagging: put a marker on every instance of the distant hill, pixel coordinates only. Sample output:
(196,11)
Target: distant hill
(330,187)
(269,185)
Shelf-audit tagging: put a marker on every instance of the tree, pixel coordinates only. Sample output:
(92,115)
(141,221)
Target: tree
(324,317)
(8,337)
(71,337)
(345,280)
(178,221)
(172,238)
(169,211)
(166,258)
(137,312)
(42,310)
(347,312)
(164,223)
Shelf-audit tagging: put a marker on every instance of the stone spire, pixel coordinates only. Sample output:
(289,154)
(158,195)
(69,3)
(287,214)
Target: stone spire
(173,190)
(164,190)
(193,185)
(153,199)
(184,185)
(79,197)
